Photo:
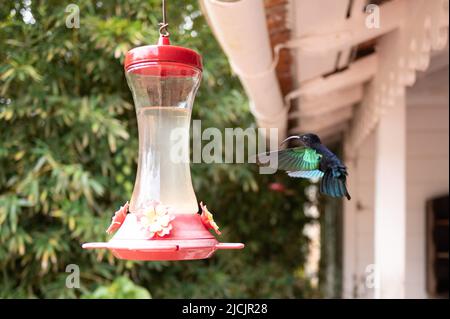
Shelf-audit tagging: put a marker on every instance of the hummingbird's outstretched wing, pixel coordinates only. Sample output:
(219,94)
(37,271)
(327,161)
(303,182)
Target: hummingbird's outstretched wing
(306,174)
(291,159)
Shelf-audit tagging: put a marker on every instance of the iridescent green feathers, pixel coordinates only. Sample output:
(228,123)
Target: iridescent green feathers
(298,159)
(291,159)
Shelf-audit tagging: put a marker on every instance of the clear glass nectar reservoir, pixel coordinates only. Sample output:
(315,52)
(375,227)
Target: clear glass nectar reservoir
(163,80)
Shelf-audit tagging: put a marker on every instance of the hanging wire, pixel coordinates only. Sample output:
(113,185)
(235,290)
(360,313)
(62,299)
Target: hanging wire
(163,25)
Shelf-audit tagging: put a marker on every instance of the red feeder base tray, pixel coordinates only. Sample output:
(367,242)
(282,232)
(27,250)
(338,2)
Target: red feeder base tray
(188,240)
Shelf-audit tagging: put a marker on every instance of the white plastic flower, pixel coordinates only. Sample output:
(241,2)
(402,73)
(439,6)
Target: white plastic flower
(155,220)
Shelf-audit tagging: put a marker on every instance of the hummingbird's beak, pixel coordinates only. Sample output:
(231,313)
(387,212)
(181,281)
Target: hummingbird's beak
(291,138)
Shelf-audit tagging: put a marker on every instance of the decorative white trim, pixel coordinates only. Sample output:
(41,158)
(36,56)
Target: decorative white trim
(401,53)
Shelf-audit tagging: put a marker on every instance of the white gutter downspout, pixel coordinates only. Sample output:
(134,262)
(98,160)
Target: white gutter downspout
(241,29)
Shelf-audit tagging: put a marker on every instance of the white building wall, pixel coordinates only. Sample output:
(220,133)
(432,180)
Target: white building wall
(427,167)
(358,223)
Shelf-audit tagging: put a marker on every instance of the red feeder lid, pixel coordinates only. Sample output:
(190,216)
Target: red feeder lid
(162,52)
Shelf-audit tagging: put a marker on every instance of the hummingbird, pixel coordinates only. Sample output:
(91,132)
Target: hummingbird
(313,160)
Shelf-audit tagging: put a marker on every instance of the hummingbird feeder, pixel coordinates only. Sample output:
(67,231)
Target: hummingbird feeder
(162,222)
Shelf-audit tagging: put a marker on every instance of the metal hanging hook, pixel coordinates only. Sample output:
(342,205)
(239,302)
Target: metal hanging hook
(163,25)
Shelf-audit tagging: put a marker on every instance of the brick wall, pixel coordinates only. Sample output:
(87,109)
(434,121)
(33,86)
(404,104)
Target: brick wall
(276,15)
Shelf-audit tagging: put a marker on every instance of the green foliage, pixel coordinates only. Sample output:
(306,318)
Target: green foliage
(120,288)
(68,154)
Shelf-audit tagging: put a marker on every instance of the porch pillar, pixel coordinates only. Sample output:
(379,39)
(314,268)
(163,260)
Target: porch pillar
(390,203)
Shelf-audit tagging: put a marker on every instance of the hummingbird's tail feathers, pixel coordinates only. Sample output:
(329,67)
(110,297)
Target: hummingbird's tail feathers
(333,183)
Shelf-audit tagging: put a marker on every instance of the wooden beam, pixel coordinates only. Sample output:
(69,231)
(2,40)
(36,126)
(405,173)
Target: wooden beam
(353,31)
(329,103)
(307,23)
(317,123)
(333,133)
(328,135)
(358,72)
(356,10)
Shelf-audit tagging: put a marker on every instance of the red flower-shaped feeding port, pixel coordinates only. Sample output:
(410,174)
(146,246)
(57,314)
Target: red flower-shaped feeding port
(208,219)
(118,218)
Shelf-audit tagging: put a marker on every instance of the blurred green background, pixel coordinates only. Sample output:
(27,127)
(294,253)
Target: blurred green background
(68,152)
